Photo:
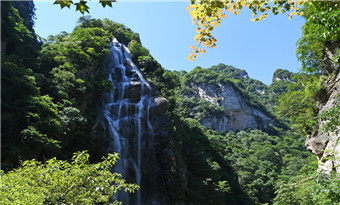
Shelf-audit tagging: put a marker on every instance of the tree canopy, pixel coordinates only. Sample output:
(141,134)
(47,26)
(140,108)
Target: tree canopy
(61,182)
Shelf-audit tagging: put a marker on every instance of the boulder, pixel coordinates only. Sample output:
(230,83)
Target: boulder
(158,106)
(132,91)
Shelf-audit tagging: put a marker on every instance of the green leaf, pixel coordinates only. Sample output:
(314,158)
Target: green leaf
(107,2)
(82,7)
(63,3)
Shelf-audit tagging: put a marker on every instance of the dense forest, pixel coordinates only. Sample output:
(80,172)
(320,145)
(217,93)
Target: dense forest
(218,136)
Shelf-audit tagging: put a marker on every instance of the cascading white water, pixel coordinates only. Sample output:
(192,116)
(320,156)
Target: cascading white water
(125,115)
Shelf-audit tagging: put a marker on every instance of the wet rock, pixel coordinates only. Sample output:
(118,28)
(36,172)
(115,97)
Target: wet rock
(132,92)
(128,68)
(117,75)
(158,106)
(135,77)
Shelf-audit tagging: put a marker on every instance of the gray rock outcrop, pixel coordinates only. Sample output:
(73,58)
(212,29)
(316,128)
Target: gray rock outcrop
(326,145)
(238,114)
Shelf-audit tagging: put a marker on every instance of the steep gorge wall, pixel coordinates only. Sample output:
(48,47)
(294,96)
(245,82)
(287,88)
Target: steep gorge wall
(238,114)
(326,145)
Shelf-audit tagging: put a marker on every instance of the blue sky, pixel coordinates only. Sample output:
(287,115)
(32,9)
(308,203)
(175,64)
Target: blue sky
(166,29)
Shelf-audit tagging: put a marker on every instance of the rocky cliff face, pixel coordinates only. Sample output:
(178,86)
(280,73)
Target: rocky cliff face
(326,145)
(238,114)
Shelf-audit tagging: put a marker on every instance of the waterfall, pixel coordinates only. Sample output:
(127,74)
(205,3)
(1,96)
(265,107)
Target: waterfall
(125,116)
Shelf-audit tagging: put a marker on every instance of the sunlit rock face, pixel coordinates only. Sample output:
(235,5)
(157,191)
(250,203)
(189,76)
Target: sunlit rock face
(132,122)
(326,145)
(238,114)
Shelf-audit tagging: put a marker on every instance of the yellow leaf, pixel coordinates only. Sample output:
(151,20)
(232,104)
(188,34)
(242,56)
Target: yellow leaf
(202,51)
(252,19)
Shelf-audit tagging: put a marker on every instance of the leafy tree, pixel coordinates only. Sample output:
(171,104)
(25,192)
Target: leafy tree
(322,26)
(298,104)
(20,49)
(282,74)
(61,182)
(208,14)
(209,175)
(259,159)
(309,187)
(27,13)
(43,121)
(137,50)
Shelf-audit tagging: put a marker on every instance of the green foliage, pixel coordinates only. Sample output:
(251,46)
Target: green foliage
(27,13)
(322,26)
(19,86)
(137,50)
(43,121)
(49,105)
(331,117)
(252,162)
(147,64)
(298,104)
(326,15)
(123,34)
(259,159)
(16,38)
(61,182)
(81,5)
(282,74)
(211,180)
(50,96)
(309,188)
(197,108)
